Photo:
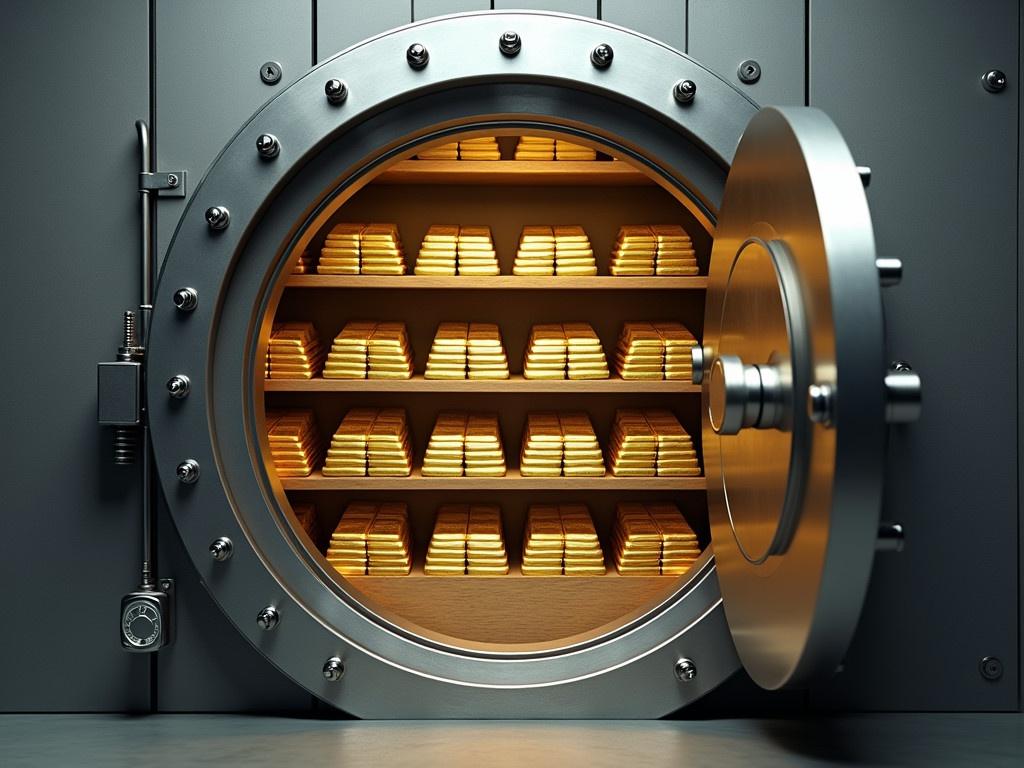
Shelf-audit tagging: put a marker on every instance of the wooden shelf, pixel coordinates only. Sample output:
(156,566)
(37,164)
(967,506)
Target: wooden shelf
(500,282)
(515,172)
(512,481)
(515,383)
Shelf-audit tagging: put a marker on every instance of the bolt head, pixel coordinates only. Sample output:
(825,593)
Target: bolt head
(510,43)
(186,299)
(602,55)
(172,180)
(268,146)
(221,549)
(270,72)
(684,91)
(178,386)
(417,56)
(819,403)
(188,471)
(994,80)
(685,670)
(268,618)
(336,90)
(218,217)
(749,71)
(334,669)
(991,668)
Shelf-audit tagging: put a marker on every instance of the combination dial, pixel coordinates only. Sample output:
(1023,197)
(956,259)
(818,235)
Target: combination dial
(141,625)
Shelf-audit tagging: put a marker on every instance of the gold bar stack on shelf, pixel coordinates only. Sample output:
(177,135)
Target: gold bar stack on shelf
(440,152)
(561,540)
(560,443)
(565,150)
(438,251)
(370,441)
(446,553)
(340,252)
(652,540)
(294,442)
(651,443)
(372,539)
(485,542)
(483,148)
(348,358)
(305,265)
(586,358)
(305,515)
(573,252)
(640,353)
(294,351)
(380,250)
(635,251)
(676,254)
(476,254)
(448,357)
(583,553)
(485,356)
(581,455)
(368,350)
(678,343)
(535,148)
(547,352)
(485,456)
(536,253)
(446,449)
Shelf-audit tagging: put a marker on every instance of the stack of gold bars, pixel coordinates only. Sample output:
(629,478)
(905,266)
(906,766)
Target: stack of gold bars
(565,150)
(652,539)
(535,148)
(651,443)
(465,444)
(372,539)
(294,351)
(305,265)
(560,443)
(486,358)
(441,152)
(340,252)
(483,148)
(655,351)
(305,514)
(560,539)
(467,539)
(536,253)
(368,249)
(370,441)
(368,350)
(485,456)
(294,442)
(676,254)
(573,252)
(448,353)
(657,249)
(570,350)
(438,251)
(476,254)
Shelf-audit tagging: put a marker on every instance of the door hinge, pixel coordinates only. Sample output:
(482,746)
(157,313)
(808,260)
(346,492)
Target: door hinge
(164,183)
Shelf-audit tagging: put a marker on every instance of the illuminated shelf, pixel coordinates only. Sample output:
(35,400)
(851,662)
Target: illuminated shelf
(515,173)
(512,481)
(515,383)
(500,282)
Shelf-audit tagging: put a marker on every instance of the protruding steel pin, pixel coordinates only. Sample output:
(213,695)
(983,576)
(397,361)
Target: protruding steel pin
(684,91)
(685,670)
(268,618)
(221,549)
(268,146)
(334,669)
(336,90)
(602,55)
(417,55)
(218,217)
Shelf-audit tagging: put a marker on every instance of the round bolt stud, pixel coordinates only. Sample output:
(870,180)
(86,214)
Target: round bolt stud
(820,401)
(178,386)
(268,618)
(270,72)
(218,217)
(188,471)
(336,90)
(684,91)
(173,180)
(417,56)
(994,81)
(602,55)
(749,72)
(991,668)
(221,549)
(186,299)
(334,669)
(268,146)
(510,43)
(686,670)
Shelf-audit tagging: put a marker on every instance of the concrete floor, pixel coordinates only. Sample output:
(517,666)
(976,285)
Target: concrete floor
(251,741)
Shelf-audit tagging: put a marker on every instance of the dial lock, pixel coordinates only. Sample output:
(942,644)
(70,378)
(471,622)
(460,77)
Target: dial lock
(146,619)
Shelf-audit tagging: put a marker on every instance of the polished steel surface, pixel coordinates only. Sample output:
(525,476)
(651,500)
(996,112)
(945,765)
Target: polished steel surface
(794,508)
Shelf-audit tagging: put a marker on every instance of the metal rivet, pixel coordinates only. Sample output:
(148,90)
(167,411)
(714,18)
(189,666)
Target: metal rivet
(865,175)
(221,549)
(890,537)
(268,618)
(820,401)
(602,55)
(994,80)
(991,668)
(684,91)
(685,670)
(268,146)
(270,72)
(749,71)
(188,471)
(510,43)
(334,669)
(172,180)
(890,272)
(218,217)
(178,386)
(336,90)
(417,56)
(186,299)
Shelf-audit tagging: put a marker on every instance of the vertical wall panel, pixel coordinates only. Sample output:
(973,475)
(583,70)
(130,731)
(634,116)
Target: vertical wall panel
(578,7)
(76,81)
(341,23)
(724,33)
(424,9)
(907,95)
(663,20)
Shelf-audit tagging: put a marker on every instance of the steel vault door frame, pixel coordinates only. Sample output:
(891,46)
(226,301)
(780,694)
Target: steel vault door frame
(324,145)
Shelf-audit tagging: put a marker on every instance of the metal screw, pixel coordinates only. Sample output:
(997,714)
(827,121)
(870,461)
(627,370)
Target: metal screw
(602,55)
(166,585)
(186,299)
(188,471)
(994,80)
(417,56)
(336,90)
(221,549)
(991,668)
(178,386)
(819,403)
(218,217)
(268,618)
(334,669)
(686,670)
(510,43)
(268,146)
(172,180)
(684,91)
(749,71)
(270,72)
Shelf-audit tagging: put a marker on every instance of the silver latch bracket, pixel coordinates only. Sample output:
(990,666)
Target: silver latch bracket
(164,183)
